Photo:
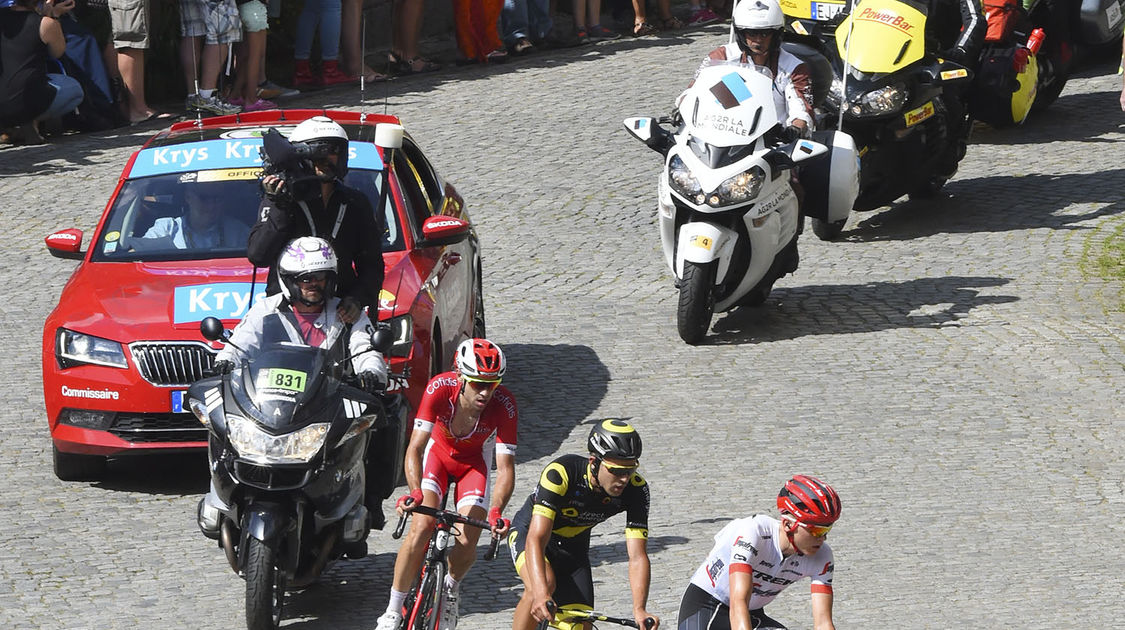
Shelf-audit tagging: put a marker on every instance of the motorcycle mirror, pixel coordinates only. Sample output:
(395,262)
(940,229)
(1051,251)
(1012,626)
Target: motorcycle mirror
(382,339)
(212,329)
(641,128)
(805,150)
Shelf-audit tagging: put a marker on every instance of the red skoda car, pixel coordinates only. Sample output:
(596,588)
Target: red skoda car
(123,343)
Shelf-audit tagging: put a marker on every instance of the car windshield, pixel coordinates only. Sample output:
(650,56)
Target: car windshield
(200,215)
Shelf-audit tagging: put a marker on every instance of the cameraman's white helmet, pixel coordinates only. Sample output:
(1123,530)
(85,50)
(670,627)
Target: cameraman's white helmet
(322,129)
(307,254)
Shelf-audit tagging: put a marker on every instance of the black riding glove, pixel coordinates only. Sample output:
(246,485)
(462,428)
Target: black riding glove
(371,382)
(222,366)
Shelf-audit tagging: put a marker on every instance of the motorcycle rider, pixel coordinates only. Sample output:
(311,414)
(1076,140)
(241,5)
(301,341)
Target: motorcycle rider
(756,31)
(459,413)
(756,558)
(339,214)
(305,312)
(550,538)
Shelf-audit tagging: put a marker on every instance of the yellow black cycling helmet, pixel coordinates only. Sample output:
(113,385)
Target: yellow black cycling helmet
(614,438)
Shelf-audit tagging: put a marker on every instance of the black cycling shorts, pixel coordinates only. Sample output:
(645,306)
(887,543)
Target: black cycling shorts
(569,559)
(700,611)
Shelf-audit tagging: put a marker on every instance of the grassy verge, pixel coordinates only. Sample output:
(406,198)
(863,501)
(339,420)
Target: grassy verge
(1103,256)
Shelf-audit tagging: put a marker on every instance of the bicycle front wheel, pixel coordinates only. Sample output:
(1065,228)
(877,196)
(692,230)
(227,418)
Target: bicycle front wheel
(428,608)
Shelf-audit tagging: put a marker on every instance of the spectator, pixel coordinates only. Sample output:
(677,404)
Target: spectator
(522,21)
(351,43)
(403,57)
(641,25)
(28,93)
(325,15)
(251,54)
(477,37)
(130,21)
(704,13)
(218,23)
(595,32)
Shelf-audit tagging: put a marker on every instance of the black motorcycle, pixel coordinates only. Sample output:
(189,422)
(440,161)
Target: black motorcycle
(294,486)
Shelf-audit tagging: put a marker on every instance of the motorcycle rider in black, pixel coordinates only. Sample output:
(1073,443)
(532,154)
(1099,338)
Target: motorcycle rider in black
(340,214)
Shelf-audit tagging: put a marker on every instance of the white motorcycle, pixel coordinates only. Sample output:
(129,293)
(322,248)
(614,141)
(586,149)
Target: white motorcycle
(729,216)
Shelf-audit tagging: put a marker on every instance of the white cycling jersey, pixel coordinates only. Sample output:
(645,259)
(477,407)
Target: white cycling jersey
(753,544)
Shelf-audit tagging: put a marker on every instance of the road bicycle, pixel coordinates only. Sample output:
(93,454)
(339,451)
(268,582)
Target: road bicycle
(425,602)
(573,619)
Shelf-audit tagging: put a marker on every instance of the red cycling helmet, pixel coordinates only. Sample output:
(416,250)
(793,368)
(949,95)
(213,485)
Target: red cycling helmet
(480,360)
(809,500)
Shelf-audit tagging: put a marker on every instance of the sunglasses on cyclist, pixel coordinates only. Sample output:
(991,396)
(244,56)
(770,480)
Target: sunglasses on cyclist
(816,531)
(619,471)
(482,383)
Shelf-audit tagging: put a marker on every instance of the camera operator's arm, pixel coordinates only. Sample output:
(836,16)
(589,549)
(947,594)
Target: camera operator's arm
(368,257)
(272,231)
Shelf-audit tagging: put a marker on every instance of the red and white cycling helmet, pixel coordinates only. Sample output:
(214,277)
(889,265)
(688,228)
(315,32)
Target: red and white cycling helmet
(480,360)
(809,500)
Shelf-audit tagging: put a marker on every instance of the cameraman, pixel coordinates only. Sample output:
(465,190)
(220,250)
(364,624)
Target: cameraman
(341,215)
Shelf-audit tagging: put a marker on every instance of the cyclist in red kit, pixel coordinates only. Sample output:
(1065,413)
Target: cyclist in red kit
(459,412)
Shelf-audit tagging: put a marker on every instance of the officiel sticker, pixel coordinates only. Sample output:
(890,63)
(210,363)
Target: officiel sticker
(948,75)
(279,378)
(702,242)
(112,236)
(229,174)
(915,116)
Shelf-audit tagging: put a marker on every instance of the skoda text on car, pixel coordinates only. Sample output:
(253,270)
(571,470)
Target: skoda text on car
(123,343)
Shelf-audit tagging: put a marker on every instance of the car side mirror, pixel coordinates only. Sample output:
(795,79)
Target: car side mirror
(444,230)
(212,329)
(66,244)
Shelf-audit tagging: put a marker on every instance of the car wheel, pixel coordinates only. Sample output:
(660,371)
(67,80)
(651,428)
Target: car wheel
(436,366)
(478,316)
(77,467)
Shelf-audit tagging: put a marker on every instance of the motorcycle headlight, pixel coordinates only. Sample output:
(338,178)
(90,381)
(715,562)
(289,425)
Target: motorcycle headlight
(682,181)
(260,447)
(886,100)
(738,189)
(402,331)
(74,348)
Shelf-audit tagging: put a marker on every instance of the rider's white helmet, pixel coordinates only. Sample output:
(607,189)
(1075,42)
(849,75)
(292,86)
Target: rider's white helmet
(305,255)
(757,15)
(324,130)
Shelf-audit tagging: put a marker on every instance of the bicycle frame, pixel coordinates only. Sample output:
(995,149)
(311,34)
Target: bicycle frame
(424,605)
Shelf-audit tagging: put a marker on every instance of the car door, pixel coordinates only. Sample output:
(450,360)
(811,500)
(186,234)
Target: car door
(451,279)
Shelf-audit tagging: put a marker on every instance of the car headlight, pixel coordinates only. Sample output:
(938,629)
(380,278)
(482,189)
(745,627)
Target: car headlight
(738,189)
(402,331)
(260,447)
(682,181)
(886,100)
(74,348)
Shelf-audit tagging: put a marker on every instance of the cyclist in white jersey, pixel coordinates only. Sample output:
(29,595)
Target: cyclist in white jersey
(756,558)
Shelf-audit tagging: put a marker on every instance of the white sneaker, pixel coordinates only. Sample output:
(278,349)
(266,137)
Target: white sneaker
(389,621)
(449,611)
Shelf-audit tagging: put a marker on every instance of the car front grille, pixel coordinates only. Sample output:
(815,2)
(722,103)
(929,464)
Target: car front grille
(271,477)
(158,427)
(172,363)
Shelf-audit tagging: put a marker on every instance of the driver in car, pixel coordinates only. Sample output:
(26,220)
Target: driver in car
(202,224)
(303,313)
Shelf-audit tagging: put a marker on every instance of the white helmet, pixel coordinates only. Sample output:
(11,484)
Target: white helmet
(307,254)
(323,130)
(757,15)
(480,360)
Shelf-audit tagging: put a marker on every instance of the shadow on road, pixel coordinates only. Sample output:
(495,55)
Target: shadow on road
(548,415)
(794,312)
(998,204)
(178,474)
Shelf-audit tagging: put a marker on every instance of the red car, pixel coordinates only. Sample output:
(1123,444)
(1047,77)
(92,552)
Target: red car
(123,343)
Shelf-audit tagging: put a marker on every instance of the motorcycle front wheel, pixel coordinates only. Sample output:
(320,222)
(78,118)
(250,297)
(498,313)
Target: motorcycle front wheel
(697,302)
(265,587)
(828,230)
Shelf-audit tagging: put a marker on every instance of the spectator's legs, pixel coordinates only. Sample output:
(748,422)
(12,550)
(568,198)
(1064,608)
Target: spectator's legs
(307,24)
(539,18)
(487,16)
(515,22)
(351,40)
(594,11)
(408,15)
(131,63)
(190,53)
(463,23)
(580,14)
(68,94)
(214,57)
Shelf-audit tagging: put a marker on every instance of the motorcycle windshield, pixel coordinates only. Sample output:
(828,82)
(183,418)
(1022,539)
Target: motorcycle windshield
(730,103)
(882,36)
(283,378)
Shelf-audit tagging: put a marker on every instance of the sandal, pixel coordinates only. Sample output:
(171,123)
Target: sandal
(671,24)
(643,29)
(417,65)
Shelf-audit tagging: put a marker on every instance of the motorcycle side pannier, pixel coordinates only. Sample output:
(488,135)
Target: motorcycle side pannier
(831,182)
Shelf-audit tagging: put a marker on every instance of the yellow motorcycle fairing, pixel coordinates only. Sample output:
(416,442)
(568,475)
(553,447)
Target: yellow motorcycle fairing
(1024,97)
(882,36)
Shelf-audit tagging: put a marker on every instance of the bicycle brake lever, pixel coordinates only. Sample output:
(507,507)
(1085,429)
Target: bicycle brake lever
(398,528)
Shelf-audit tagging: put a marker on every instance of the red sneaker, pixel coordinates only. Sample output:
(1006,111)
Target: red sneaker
(303,76)
(333,75)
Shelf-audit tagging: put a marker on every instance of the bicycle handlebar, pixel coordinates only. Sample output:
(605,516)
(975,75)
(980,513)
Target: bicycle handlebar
(448,517)
(589,615)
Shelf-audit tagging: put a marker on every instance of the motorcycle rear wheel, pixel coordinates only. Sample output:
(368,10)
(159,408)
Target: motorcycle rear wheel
(265,587)
(697,302)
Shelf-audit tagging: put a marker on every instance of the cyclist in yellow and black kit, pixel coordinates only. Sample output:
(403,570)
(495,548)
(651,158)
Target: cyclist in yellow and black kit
(550,537)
